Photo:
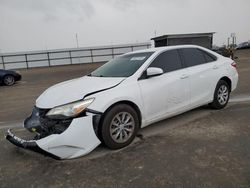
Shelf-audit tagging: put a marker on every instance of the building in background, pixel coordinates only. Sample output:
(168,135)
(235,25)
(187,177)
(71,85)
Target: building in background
(201,39)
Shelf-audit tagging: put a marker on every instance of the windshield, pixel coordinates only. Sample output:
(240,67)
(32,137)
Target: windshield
(122,66)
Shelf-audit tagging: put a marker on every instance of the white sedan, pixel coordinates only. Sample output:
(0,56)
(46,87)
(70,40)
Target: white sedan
(130,92)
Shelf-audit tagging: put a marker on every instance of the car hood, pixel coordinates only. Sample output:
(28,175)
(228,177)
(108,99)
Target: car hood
(74,90)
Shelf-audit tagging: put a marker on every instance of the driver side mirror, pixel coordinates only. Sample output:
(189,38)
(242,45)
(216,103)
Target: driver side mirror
(153,71)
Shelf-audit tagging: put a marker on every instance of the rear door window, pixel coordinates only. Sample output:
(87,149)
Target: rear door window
(193,57)
(168,61)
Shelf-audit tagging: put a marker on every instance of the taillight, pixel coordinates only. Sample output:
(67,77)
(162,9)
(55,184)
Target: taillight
(234,65)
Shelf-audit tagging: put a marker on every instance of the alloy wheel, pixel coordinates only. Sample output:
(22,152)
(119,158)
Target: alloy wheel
(9,80)
(122,127)
(223,94)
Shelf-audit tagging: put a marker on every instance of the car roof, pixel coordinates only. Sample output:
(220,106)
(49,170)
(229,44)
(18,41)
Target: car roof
(160,49)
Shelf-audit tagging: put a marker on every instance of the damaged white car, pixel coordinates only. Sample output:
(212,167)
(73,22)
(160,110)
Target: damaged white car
(130,92)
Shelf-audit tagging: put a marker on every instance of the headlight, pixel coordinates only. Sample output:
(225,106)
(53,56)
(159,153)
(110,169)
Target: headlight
(69,110)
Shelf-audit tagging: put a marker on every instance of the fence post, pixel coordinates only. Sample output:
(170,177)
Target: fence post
(91,53)
(26,61)
(132,48)
(3,62)
(48,58)
(70,57)
(113,55)
(112,52)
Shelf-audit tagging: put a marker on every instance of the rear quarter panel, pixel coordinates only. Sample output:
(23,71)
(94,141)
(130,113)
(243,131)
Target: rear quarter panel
(227,70)
(2,74)
(231,73)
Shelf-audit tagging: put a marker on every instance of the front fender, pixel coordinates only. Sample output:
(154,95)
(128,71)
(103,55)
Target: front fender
(123,92)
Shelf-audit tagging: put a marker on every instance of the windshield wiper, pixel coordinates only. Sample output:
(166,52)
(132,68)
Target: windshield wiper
(94,75)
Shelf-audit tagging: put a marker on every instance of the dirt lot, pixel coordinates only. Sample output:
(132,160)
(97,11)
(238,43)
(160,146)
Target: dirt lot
(201,148)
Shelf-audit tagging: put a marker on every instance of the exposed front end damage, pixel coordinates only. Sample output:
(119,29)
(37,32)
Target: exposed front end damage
(60,138)
(64,123)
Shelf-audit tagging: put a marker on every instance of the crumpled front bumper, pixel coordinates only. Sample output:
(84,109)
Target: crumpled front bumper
(77,140)
(31,144)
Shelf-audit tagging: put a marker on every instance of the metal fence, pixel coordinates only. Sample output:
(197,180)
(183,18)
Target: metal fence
(66,56)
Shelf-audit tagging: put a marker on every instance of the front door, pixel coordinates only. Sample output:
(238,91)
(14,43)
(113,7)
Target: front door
(168,93)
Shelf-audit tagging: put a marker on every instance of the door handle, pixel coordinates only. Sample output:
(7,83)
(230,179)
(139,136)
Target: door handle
(215,67)
(184,76)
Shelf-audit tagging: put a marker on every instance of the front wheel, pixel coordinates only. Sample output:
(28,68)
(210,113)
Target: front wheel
(120,126)
(9,80)
(221,95)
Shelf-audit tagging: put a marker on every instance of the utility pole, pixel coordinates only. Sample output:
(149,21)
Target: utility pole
(77,43)
(228,42)
(233,36)
(46,45)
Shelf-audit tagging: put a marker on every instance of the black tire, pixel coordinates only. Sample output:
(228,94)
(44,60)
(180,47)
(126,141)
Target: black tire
(9,80)
(218,103)
(111,117)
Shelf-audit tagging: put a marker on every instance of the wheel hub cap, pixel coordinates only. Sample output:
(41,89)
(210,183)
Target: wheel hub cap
(122,127)
(223,94)
(9,80)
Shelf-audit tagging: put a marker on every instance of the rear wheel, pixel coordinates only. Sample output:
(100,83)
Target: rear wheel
(221,95)
(9,80)
(120,126)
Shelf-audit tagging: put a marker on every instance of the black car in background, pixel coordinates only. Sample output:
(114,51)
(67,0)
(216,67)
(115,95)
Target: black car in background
(8,77)
(244,45)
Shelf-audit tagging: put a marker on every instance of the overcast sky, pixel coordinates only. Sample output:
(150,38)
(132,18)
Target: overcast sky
(39,24)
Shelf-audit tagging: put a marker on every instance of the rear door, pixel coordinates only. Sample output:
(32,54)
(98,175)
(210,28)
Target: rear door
(203,72)
(168,93)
